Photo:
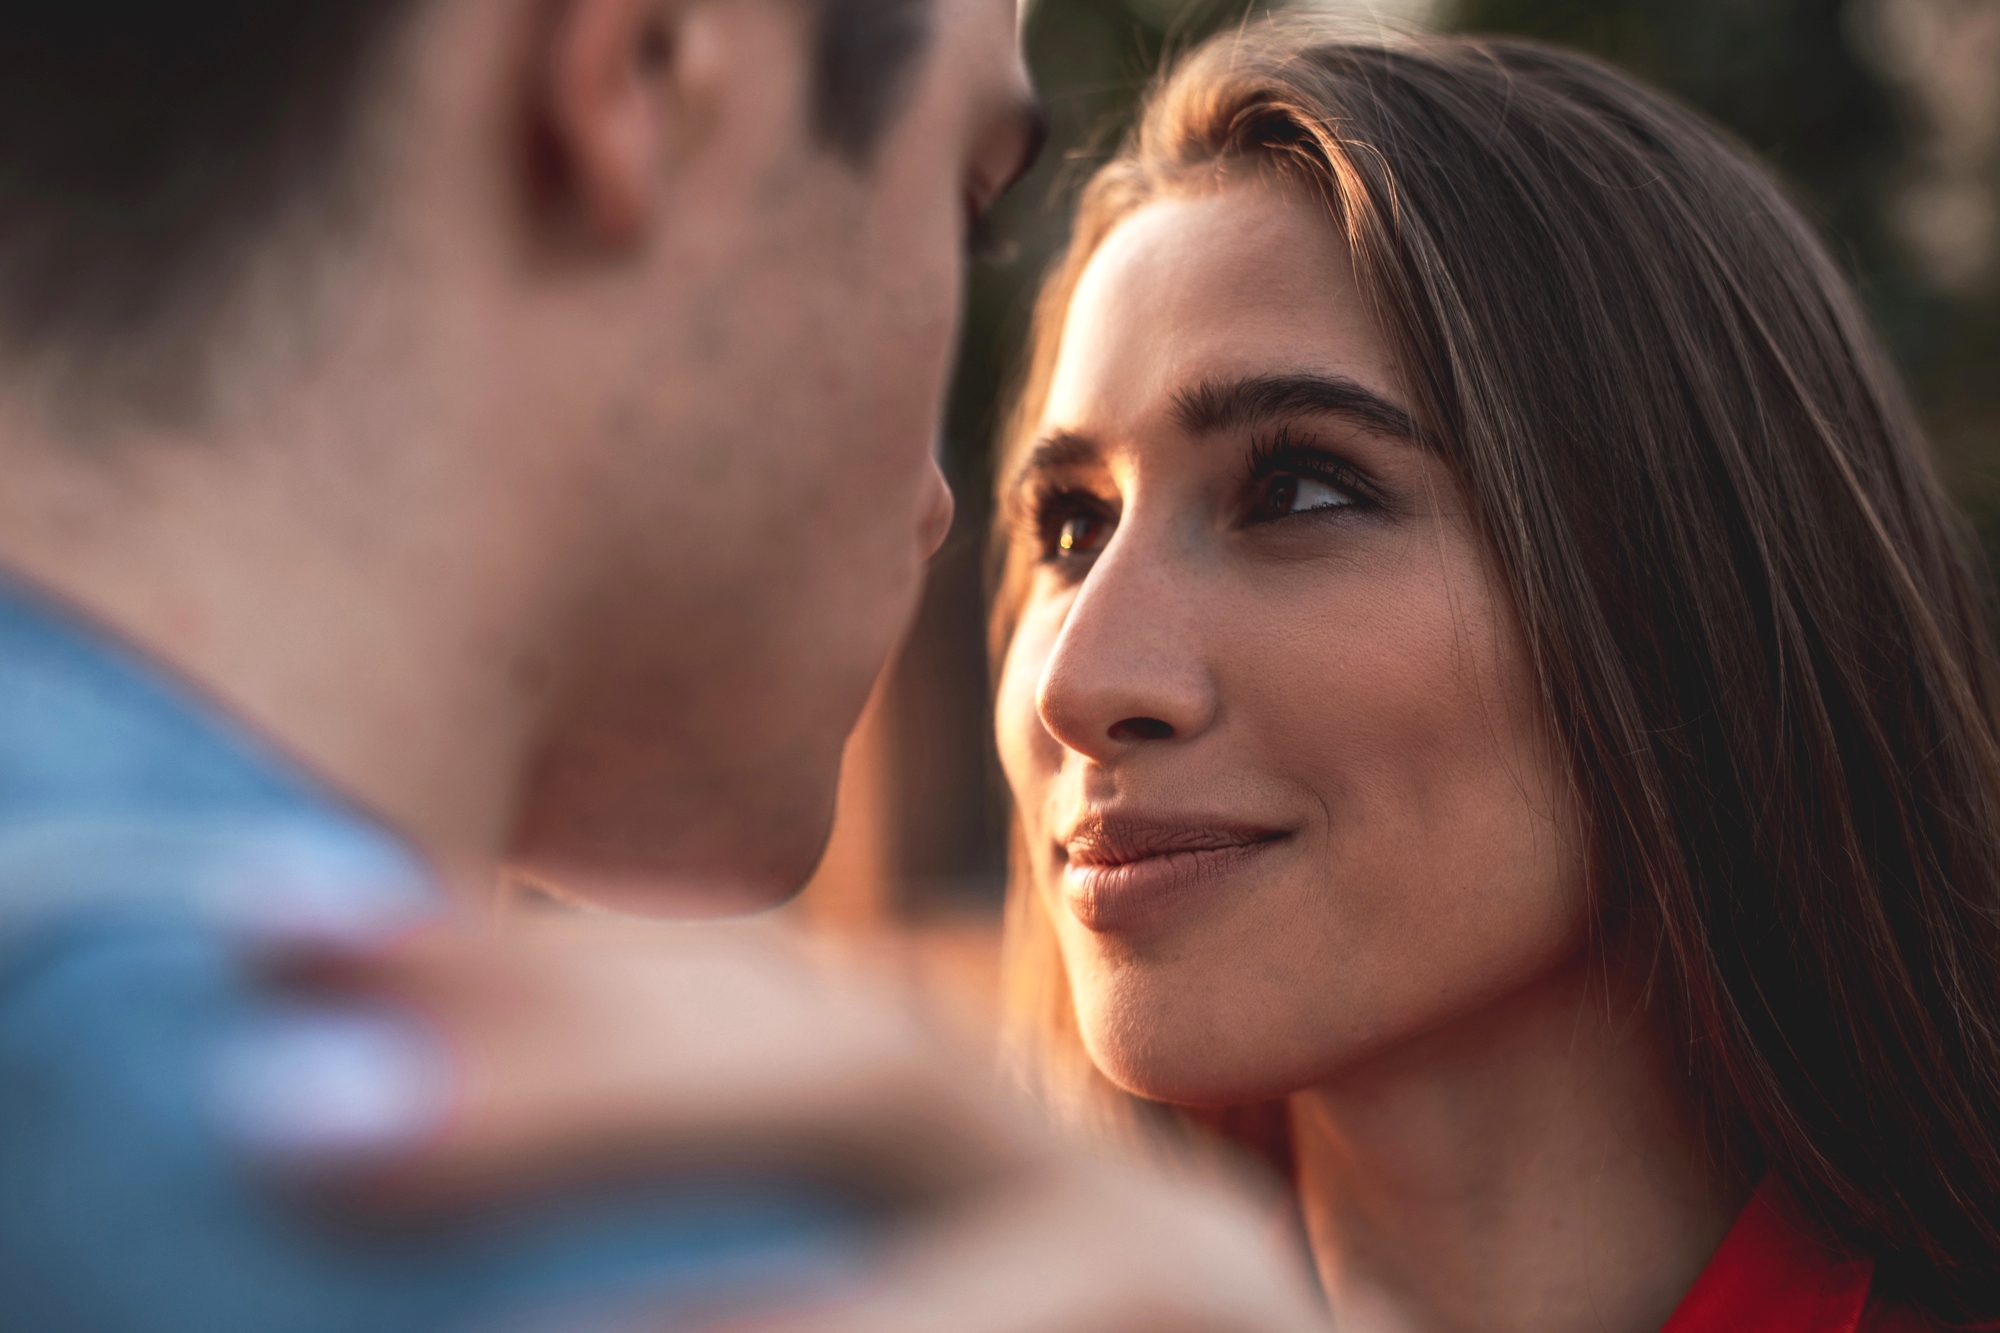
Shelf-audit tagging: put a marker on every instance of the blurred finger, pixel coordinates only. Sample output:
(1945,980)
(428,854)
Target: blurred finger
(576,1054)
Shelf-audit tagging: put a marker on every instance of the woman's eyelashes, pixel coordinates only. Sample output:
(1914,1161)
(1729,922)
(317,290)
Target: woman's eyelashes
(1289,479)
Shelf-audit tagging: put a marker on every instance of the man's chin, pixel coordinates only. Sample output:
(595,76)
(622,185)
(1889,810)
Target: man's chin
(678,897)
(677,882)
(734,848)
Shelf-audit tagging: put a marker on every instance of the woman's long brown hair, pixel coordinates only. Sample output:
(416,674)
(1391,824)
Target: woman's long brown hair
(1758,626)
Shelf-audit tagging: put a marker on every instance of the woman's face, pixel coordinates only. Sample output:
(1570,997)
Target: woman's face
(1287,788)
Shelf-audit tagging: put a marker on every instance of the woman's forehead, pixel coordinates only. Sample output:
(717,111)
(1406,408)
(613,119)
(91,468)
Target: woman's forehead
(1191,289)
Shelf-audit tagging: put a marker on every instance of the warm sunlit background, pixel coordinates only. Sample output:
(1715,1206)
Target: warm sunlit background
(1885,114)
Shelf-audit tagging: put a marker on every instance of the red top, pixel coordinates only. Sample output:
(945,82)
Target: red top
(1770,1275)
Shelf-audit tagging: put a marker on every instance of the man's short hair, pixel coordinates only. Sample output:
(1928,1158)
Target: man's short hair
(147,147)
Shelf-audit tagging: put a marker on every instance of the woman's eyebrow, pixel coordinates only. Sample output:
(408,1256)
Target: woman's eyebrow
(1226,404)
(1056,451)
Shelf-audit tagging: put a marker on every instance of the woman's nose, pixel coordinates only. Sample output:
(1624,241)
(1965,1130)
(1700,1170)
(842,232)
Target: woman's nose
(1128,668)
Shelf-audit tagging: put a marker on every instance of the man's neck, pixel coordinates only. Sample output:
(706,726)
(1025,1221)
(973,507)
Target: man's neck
(1536,1170)
(357,631)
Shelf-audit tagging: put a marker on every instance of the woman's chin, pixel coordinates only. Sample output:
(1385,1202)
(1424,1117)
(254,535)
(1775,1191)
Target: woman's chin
(1193,1076)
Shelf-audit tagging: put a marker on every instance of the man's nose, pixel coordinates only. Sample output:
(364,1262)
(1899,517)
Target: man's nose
(934,523)
(1129,668)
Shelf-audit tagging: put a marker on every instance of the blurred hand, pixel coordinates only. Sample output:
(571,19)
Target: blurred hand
(583,1051)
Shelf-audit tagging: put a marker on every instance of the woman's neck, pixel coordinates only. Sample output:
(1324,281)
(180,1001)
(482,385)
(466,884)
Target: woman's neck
(1535,1168)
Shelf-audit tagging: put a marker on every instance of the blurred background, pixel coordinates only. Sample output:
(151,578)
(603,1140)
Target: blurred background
(1884,115)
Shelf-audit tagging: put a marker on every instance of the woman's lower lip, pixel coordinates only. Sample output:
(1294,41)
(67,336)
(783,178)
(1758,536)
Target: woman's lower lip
(1110,899)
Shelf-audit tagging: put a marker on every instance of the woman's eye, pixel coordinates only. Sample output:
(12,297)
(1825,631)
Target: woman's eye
(1079,534)
(1297,494)
(1072,532)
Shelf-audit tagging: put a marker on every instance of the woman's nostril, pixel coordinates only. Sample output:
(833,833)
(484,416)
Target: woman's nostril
(1142,729)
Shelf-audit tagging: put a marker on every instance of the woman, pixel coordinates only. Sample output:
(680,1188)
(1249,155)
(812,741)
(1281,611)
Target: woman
(1487,670)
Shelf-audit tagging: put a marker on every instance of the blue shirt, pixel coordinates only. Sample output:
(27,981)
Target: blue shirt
(144,836)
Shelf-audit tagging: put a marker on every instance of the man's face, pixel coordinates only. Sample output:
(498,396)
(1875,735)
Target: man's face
(765,490)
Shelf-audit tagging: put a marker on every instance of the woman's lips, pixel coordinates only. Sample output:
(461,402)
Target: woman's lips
(1122,874)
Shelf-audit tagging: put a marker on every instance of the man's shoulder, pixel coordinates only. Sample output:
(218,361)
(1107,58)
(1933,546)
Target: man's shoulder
(124,790)
(90,721)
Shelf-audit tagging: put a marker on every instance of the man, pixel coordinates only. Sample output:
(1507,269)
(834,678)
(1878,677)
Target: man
(442,434)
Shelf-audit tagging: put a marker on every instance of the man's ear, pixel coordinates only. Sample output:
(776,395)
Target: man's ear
(611,75)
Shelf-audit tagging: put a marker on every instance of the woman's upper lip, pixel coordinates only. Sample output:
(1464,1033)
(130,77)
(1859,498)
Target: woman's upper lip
(1112,840)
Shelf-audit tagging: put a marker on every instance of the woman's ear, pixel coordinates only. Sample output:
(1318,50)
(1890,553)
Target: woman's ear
(618,75)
